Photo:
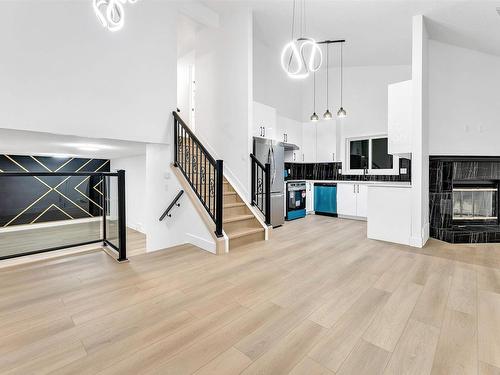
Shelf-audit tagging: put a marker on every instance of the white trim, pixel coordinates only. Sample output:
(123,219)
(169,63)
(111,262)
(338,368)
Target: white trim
(387,172)
(201,243)
(16,228)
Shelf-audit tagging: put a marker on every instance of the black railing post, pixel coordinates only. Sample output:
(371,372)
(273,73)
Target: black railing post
(176,142)
(253,183)
(268,193)
(104,209)
(219,188)
(122,226)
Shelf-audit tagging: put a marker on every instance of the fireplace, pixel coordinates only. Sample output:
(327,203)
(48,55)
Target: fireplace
(464,200)
(475,202)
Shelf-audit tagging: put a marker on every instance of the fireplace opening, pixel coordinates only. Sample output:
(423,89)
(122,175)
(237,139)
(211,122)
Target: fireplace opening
(475,203)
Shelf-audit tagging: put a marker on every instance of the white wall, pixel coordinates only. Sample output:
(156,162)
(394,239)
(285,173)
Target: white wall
(62,72)
(364,99)
(224,98)
(184,85)
(185,225)
(271,86)
(464,101)
(420,135)
(135,189)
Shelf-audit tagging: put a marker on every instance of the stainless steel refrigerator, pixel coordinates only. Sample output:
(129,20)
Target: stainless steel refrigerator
(273,152)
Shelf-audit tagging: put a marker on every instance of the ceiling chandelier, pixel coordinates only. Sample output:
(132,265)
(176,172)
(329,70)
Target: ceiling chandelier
(301,56)
(110,13)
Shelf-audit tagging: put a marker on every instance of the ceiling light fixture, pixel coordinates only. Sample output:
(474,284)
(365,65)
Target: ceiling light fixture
(314,116)
(111,13)
(301,55)
(341,112)
(327,115)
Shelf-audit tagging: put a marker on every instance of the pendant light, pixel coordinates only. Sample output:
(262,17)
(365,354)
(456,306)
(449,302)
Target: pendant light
(314,116)
(301,55)
(110,13)
(341,112)
(327,115)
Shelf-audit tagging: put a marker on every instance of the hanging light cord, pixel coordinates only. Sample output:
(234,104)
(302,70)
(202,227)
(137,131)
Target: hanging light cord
(341,73)
(314,88)
(327,101)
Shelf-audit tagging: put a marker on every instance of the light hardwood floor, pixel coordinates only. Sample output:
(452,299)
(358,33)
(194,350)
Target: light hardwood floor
(318,298)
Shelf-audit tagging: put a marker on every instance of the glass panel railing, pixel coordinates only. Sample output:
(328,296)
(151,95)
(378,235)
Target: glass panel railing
(48,211)
(112,225)
(41,213)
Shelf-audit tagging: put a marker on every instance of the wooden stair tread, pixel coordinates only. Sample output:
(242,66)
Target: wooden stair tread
(244,232)
(229,193)
(234,204)
(238,218)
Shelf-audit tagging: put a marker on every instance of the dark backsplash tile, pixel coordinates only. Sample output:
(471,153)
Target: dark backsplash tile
(332,171)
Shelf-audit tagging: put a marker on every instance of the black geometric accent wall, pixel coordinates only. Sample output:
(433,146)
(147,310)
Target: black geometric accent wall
(31,200)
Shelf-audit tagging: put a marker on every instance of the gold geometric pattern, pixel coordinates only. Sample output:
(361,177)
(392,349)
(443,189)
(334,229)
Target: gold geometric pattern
(55,188)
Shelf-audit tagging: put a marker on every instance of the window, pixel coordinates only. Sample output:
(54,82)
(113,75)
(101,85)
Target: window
(370,153)
(359,154)
(380,157)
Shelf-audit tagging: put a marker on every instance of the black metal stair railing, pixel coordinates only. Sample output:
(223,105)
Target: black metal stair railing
(261,187)
(203,173)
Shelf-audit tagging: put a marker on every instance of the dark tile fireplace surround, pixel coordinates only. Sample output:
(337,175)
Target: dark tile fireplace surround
(464,199)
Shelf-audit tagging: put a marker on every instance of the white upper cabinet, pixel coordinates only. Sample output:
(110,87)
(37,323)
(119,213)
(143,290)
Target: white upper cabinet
(264,121)
(308,147)
(289,131)
(325,145)
(399,117)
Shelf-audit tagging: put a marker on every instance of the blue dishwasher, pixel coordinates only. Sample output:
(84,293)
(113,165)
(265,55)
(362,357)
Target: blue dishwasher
(325,198)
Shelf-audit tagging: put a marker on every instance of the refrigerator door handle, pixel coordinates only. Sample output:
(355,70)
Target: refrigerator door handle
(273,166)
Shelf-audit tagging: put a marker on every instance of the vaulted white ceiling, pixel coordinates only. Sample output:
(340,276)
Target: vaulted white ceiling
(379,32)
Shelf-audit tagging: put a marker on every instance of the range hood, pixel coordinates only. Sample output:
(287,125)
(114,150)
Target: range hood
(290,146)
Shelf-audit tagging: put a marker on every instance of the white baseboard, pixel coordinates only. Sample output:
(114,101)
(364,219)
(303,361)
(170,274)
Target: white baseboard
(49,224)
(200,242)
(359,218)
(420,242)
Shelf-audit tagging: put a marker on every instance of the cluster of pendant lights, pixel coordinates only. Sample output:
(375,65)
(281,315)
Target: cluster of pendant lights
(341,113)
(302,56)
(111,13)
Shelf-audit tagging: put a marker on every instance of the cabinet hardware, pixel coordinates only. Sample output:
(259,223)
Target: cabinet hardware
(354,189)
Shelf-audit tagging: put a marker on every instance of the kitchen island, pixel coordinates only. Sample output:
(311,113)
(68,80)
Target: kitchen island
(385,205)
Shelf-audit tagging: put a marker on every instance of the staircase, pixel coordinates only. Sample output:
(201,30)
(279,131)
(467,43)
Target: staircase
(239,223)
(206,180)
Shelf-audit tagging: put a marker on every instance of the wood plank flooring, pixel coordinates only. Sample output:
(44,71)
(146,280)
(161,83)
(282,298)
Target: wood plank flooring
(317,298)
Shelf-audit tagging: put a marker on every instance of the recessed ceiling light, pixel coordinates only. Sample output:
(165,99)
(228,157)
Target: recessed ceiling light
(89,146)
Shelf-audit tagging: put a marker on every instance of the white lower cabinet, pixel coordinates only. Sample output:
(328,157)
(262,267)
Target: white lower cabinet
(309,196)
(352,199)
(362,200)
